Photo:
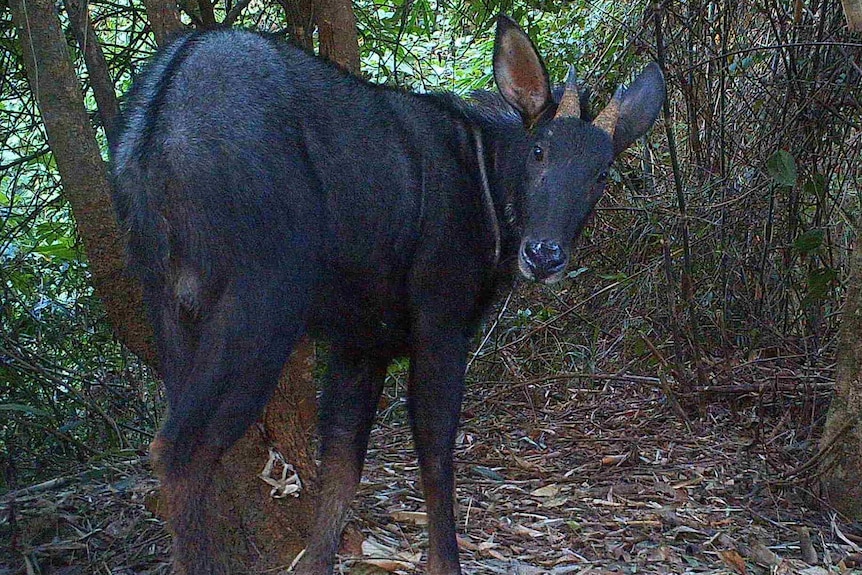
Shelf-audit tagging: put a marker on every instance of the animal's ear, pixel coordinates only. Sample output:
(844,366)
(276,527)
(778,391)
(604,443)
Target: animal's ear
(632,111)
(519,71)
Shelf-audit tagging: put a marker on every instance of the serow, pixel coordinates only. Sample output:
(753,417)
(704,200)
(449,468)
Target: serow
(267,194)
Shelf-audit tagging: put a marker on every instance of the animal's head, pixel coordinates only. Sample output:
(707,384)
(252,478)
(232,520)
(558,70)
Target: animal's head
(568,159)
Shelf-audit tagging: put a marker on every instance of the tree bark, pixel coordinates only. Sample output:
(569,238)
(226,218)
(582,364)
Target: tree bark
(164,19)
(336,25)
(85,183)
(97,66)
(853,13)
(299,15)
(265,532)
(842,437)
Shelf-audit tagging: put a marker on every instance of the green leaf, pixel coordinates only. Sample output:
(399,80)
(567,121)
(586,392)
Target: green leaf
(782,167)
(816,187)
(22,408)
(820,282)
(619,276)
(59,250)
(809,241)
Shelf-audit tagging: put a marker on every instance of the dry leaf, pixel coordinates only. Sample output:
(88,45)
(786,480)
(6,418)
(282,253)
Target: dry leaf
(547,491)
(762,555)
(614,459)
(363,568)
(373,548)
(524,464)
(465,543)
(688,482)
(809,555)
(526,532)
(606,503)
(387,558)
(733,560)
(555,502)
(414,517)
(814,571)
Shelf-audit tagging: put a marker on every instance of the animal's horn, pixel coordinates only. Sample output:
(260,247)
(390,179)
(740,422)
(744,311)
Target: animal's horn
(608,118)
(570,105)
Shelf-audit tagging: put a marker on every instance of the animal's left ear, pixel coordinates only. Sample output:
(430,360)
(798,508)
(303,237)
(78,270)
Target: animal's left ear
(634,109)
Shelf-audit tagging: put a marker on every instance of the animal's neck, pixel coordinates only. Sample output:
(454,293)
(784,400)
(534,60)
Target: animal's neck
(505,153)
(505,144)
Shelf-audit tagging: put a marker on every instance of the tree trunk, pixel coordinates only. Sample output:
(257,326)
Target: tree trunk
(300,21)
(85,183)
(853,13)
(842,437)
(265,532)
(336,24)
(164,19)
(97,67)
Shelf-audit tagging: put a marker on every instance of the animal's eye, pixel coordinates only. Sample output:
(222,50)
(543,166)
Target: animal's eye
(603,177)
(538,153)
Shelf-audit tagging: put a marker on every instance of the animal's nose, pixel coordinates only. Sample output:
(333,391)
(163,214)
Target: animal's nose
(544,258)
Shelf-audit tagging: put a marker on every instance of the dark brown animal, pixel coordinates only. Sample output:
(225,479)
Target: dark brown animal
(267,194)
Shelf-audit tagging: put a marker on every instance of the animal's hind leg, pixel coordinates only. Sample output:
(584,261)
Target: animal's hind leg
(347,411)
(242,345)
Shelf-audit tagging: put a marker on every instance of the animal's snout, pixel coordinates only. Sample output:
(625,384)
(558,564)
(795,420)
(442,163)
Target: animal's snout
(542,260)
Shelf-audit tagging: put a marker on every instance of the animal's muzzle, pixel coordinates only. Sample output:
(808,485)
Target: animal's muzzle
(542,260)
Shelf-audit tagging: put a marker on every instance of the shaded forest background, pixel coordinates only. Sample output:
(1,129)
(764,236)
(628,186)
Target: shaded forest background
(714,270)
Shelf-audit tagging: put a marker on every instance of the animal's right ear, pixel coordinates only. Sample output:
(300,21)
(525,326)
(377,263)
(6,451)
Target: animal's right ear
(519,71)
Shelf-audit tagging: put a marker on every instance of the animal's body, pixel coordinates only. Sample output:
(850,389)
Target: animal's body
(267,194)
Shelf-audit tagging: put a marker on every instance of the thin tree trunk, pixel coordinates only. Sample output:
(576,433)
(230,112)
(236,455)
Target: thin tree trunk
(97,67)
(336,25)
(164,19)
(842,436)
(207,14)
(299,15)
(853,13)
(85,183)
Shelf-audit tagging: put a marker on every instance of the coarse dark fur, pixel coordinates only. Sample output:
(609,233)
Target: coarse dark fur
(267,194)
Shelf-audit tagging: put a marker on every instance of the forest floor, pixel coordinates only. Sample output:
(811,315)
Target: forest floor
(582,476)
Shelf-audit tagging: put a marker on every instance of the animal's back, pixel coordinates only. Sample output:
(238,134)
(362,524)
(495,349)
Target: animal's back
(209,167)
(240,153)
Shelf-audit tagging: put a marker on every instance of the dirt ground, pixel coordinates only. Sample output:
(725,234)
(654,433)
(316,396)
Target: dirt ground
(582,475)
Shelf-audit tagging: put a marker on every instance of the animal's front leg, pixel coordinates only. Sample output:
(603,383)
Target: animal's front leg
(436,389)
